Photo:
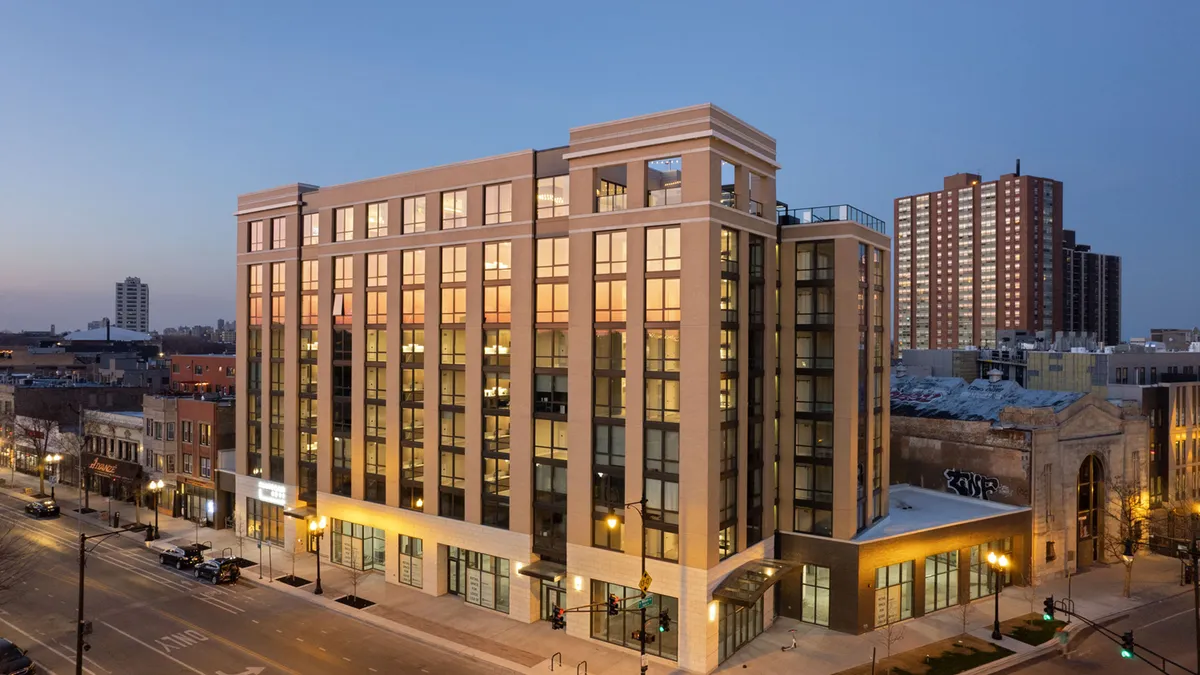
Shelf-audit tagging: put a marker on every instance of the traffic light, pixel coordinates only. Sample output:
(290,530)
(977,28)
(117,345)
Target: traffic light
(1127,645)
(1048,609)
(613,605)
(558,620)
(664,622)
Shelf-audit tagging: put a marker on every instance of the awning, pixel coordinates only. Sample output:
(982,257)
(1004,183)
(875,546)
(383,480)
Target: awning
(745,585)
(111,468)
(545,570)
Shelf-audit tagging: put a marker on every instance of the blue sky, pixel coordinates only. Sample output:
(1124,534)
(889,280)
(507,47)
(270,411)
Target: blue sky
(127,129)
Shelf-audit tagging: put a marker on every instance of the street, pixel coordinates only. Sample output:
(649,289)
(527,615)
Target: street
(1167,627)
(153,619)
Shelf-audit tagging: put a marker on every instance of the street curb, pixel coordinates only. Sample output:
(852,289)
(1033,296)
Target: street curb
(393,626)
(1050,646)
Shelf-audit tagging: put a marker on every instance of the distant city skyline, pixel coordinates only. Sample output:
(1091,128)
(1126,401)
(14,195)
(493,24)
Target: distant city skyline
(130,160)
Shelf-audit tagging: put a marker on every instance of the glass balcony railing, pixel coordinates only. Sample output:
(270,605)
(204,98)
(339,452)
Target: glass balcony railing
(824,214)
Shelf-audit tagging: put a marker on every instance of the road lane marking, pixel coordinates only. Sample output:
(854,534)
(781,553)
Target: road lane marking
(1168,618)
(68,659)
(178,641)
(154,649)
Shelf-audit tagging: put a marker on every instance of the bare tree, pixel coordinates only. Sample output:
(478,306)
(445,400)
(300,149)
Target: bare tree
(891,634)
(18,556)
(37,432)
(356,575)
(1125,513)
(239,534)
(964,610)
(1030,589)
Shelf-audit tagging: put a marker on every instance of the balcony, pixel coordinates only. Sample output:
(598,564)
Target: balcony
(825,214)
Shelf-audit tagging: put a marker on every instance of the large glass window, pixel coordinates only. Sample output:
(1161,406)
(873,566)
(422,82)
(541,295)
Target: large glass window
(278,233)
(611,186)
(454,209)
(311,229)
(610,301)
(256,235)
(454,264)
(662,350)
(412,267)
(619,629)
(611,252)
(497,260)
(413,216)
(941,581)
(343,224)
(814,595)
(662,249)
(479,578)
(553,303)
(664,181)
(980,580)
(553,196)
(412,552)
(737,627)
(377,215)
(264,522)
(357,546)
(662,300)
(553,257)
(497,203)
(893,593)
(550,348)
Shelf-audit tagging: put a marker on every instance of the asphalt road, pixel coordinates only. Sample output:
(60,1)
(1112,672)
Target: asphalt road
(1167,627)
(151,619)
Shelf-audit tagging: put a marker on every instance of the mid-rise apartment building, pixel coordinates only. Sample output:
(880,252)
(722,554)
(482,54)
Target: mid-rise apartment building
(976,257)
(203,373)
(133,305)
(469,369)
(1091,291)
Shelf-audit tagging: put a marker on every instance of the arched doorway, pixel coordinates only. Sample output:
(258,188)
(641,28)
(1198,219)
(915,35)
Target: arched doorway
(1090,513)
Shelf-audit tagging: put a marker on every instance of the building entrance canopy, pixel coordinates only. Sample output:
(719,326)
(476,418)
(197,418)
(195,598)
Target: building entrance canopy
(545,570)
(745,585)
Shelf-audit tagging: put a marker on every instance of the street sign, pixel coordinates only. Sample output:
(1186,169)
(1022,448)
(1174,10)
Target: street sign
(644,582)
(645,661)
(645,602)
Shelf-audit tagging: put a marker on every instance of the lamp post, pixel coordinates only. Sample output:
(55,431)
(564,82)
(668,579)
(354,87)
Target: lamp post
(52,460)
(317,529)
(612,521)
(997,564)
(83,628)
(155,487)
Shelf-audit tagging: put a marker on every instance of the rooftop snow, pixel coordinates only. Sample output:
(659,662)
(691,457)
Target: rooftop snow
(981,400)
(913,509)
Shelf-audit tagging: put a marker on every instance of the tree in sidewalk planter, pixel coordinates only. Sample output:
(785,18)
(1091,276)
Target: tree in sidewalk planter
(37,432)
(1032,585)
(891,634)
(356,575)
(964,610)
(239,535)
(1125,512)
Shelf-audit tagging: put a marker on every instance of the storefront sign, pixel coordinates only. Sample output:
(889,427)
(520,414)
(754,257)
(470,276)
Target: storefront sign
(406,570)
(473,587)
(111,468)
(348,552)
(272,493)
(416,572)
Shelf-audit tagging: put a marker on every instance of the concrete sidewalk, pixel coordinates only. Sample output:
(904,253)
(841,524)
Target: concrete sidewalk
(490,636)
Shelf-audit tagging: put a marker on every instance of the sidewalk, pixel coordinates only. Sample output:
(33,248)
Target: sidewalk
(526,648)
(1097,594)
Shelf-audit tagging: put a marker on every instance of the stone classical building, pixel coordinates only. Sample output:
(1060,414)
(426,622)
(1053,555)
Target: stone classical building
(1056,452)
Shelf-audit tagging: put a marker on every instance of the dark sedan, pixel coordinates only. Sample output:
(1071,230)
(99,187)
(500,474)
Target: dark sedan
(14,660)
(182,556)
(219,570)
(42,507)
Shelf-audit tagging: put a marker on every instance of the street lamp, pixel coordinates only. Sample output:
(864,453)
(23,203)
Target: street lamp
(155,487)
(997,564)
(612,521)
(52,460)
(317,529)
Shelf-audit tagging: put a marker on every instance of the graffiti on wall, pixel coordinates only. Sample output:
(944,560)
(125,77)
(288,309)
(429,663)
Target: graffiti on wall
(971,484)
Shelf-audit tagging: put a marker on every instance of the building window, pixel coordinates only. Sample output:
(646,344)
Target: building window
(662,300)
(206,467)
(980,580)
(256,235)
(497,304)
(311,229)
(553,196)
(610,350)
(454,305)
(553,257)
(611,253)
(662,350)
(497,260)
(553,303)
(941,581)
(550,348)
(376,463)
(357,546)
(737,627)
(377,215)
(413,216)
(412,550)
(893,593)
(187,463)
(610,301)
(497,203)
(662,400)
(611,188)
(278,233)
(618,630)
(308,275)
(264,522)
(343,224)
(412,306)
(205,434)
(664,181)
(479,578)
(454,209)
(729,251)
(814,595)
(412,267)
(662,249)
(454,264)
(609,396)
(454,347)
(256,279)
(497,347)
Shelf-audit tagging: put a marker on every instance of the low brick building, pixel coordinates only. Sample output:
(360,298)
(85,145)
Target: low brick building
(1055,452)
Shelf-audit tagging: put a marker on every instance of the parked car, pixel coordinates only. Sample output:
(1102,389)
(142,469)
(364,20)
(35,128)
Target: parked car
(14,660)
(42,507)
(182,556)
(219,570)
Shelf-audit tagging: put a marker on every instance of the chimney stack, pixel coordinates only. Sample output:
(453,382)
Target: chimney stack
(107,331)
(1018,167)
(994,375)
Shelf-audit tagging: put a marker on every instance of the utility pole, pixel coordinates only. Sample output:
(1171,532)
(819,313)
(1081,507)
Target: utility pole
(80,624)
(1195,581)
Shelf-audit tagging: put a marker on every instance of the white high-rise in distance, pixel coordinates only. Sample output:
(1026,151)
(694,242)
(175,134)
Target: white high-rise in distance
(133,305)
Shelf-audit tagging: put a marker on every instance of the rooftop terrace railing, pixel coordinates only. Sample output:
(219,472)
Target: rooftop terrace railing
(824,214)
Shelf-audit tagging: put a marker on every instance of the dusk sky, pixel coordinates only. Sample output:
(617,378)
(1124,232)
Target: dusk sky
(127,129)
